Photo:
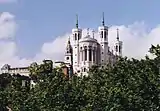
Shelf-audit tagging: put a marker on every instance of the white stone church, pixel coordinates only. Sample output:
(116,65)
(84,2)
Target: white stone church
(87,51)
(84,52)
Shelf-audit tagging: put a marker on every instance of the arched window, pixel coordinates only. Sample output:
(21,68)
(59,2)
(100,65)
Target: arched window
(78,36)
(75,36)
(105,35)
(94,55)
(116,48)
(84,69)
(90,54)
(102,34)
(119,48)
(85,51)
(67,58)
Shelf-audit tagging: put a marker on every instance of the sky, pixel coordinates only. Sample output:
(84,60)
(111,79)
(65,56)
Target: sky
(33,30)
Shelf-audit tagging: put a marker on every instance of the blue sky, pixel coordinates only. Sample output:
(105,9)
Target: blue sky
(41,21)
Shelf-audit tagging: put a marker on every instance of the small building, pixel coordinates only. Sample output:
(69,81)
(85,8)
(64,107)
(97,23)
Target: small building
(16,70)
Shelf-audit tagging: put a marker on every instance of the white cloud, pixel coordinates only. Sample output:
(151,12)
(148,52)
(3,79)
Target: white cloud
(8,48)
(136,42)
(8,25)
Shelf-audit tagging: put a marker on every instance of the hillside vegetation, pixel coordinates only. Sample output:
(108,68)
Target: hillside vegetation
(131,85)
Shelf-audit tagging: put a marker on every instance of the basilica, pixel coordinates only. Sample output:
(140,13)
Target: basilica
(87,51)
(84,52)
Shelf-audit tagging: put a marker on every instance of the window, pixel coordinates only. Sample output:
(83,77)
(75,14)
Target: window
(105,35)
(78,71)
(84,69)
(116,48)
(67,58)
(102,60)
(102,45)
(102,52)
(78,36)
(85,51)
(75,36)
(119,49)
(102,34)
(90,54)
(75,47)
(75,54)
(94,55)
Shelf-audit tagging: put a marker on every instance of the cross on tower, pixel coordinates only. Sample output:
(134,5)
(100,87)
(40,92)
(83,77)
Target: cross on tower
(87,31)
(117,34)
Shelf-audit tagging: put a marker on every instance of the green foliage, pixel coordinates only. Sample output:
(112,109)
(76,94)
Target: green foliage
(129,85)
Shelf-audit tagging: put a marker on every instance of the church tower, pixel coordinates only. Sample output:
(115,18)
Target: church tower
(103,33)
(77,34)
(69,53)
(118,45)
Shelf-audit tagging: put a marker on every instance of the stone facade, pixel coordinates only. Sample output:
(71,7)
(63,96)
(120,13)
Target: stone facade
(87,51)
(17,70)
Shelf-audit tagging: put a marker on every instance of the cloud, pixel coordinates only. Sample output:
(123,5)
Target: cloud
(7,50)
(7,1)
(7,31)
(8,26)
(136,41)
(53,49)
(136,38)
(8,47)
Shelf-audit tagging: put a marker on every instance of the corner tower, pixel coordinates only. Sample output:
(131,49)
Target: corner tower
(69,53)
(103,33)
(77,34)
(118,45)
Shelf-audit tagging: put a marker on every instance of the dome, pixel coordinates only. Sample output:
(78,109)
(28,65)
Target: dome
(87,39)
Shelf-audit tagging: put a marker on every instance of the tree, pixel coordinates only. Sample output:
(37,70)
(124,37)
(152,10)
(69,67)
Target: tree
(128,85)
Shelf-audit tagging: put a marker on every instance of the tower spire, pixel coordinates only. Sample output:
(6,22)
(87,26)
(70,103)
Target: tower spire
(117,34)
(103,19)
(93,33)
(76,20)
(69,40)
(87,31)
